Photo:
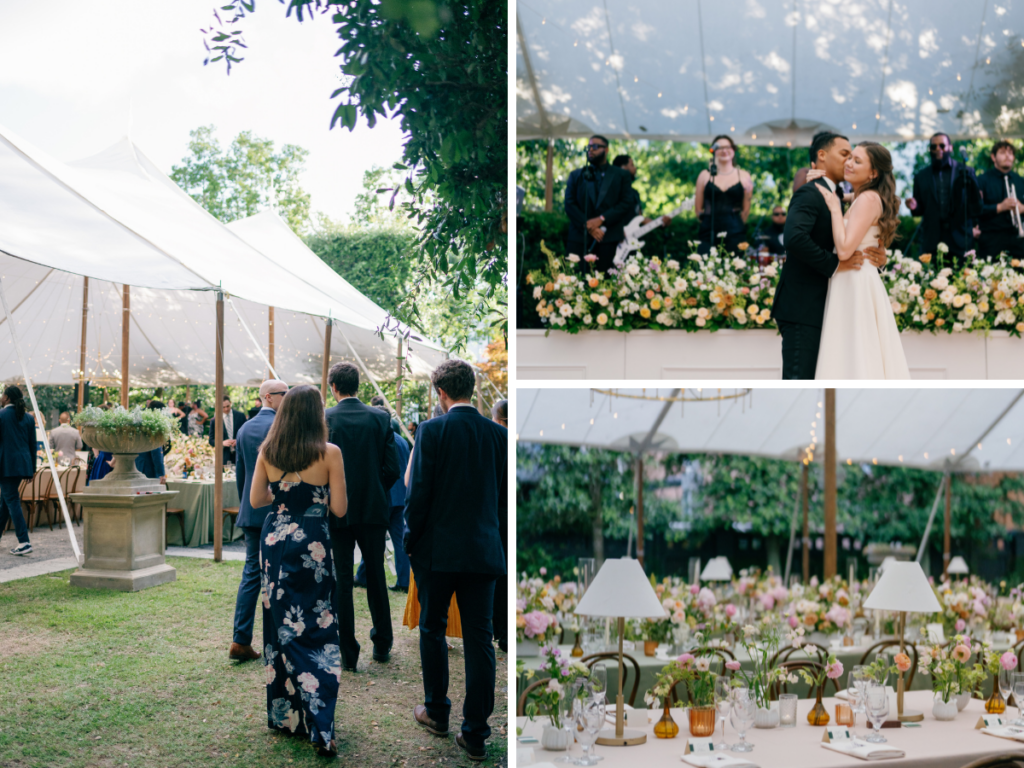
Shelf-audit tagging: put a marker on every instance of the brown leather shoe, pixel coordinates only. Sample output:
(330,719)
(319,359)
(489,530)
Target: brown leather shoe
(420,713)
(239,652)
(474,753)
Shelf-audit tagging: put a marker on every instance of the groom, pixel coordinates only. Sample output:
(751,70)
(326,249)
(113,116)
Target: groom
(799,305)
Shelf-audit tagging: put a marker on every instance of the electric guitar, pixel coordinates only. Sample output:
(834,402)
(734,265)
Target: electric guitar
(637,229)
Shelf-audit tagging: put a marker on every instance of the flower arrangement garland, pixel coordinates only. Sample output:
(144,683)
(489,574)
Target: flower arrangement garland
(536,610)
(188,454)
(563,672)
(950,670)
(966,606)
(761,642)
(828,606)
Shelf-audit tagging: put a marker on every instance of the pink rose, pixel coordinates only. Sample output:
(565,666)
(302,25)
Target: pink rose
(733,665)
(1008,660)
(730,610)
(685,659)
(590,258)
(793,622)
(537,623)
(960,625)
(317,551)
(694,589)
(902,662)
(834,670)
(543,571)
(767,602)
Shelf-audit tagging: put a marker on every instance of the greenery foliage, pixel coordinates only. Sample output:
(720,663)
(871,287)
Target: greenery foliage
(119,421)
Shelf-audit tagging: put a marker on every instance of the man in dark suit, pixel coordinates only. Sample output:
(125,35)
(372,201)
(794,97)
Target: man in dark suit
(939,201)
(371,467)
(457,506)
(248,439)
(798,306)
(599,202)
(233,421)
(17,462)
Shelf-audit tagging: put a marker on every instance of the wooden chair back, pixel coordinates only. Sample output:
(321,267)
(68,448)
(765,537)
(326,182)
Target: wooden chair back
(613,656)
(521,701)
(812,667)
(909,648)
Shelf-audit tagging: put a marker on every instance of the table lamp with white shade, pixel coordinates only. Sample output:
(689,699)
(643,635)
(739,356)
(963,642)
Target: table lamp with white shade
(903,588)
(621,591)
(958,565)
(717,569)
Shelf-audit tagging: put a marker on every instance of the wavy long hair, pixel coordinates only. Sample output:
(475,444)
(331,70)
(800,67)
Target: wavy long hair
(884,184)
(298,436)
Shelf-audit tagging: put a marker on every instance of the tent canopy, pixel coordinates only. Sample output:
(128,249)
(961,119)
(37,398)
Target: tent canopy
(936,429)
(769,73)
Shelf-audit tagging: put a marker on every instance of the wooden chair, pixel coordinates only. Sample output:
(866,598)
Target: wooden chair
(911,650)
(811,649)
(68,480)
(231,512)
(723,654)
(1006,760)
(813,667)
(593,658)
(521,702)
(36,495)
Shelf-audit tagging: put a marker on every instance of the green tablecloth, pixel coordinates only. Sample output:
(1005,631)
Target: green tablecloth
(196,498)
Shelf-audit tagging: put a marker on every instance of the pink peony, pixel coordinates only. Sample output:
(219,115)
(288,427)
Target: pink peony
(834,670)
(590,258)
(537,623)
(838,615)
(1008,660)
(793,622)
(730,610)
(960,625)
(685,659)
(767,601)
(733,665)
(694,589)
(902,662)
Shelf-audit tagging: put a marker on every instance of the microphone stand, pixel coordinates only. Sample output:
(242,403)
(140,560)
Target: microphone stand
(967,220)
(713,170)
(588,176)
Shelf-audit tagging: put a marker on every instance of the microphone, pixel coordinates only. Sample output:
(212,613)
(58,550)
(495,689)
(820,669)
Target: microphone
(963,153)
(714,148)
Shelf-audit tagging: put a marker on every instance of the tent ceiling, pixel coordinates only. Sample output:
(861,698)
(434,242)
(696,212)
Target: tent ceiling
(923,428)
(691,69)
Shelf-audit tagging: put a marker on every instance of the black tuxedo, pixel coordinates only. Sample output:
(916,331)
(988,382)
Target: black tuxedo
(237,420)
(799,304)
(371,467)
(457,508)
(935,228)
(610,195)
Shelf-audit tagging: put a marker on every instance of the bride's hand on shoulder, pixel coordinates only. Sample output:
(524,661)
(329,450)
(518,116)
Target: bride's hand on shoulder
(830,199)
(814,173)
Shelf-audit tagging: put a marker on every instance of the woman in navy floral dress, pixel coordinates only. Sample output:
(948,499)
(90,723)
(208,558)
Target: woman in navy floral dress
(303,477)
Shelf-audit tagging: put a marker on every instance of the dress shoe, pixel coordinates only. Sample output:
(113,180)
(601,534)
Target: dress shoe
(475,753)
(239,652)
(328,751)
(420,713)
(399,588)
(381,656)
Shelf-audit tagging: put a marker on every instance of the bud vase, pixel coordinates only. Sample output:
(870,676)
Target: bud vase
(577,649)
(818,715)
(996,704)
(666,728)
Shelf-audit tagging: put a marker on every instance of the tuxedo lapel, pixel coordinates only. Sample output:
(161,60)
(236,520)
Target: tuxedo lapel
(604,186)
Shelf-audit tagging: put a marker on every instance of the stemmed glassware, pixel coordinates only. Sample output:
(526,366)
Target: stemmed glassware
(878,710)
(742,717)
(1005,681)
(856,683)
(599,678)
(1018,695)
(590,719)
(723,702)
(567,713)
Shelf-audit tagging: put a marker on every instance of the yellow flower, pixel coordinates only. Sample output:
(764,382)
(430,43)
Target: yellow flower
(926,258)
(645,312)
(1020,327)
(742,246)
(655,304)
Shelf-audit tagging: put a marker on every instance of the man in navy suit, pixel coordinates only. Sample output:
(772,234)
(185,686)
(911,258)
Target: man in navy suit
(250,437)
(17,461)
(456,508)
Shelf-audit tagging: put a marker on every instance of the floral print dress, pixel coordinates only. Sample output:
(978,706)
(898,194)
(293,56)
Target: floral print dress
(300,631)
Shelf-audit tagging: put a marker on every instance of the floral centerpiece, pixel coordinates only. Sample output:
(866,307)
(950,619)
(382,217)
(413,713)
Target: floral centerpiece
(832,670)
(535,611)
(821,607)
(966,606)
(551,700)
(700,680)
(765,593)
(952,675)
(188,454)
(761,642)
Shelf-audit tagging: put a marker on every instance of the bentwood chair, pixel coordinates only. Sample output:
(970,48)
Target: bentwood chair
(232,514)
(68,483)
(812,667)
(521,701)
(724,655)
(909,648)
(1006,760)
(813,651)
(613,656)
(36,496)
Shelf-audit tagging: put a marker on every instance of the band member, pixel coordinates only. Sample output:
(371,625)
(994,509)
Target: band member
(723,198)
(770,240)
(939,200)
(599,202)
(999,225)
(626,163)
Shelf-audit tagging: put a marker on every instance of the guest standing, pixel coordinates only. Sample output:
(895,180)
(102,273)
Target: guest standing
(998,231)
(725,197)
(306,477)
(250,437)
(65,439)
(366,441)
(499,414)
(457,506)
(151,463)
(233,421)
(196,418)
(626,163)
(17,462)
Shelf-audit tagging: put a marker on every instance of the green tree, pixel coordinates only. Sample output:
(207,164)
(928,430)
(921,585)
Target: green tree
(250,177)
(442,68)
(372,209)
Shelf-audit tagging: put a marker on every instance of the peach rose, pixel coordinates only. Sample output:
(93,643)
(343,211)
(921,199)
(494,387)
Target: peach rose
(902,662)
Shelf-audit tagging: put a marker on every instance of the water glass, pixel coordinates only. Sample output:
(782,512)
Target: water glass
(589,719)
(742,717)
(723,702)
(1018,695)
(856,682)
(787,710)
(1005,681)
(878,710)
(567,713)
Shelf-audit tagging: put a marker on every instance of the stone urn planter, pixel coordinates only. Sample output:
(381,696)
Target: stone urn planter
(123,516)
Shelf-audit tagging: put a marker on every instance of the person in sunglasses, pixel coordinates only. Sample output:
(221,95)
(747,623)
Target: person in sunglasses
(250,437)
(939,201)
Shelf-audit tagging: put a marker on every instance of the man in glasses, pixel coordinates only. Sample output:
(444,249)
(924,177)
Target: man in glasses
(771,237)
(250,436)
(939,201)
(599,202)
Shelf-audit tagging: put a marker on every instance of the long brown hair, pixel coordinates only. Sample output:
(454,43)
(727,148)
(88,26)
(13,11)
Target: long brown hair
(298,436)
(884,184)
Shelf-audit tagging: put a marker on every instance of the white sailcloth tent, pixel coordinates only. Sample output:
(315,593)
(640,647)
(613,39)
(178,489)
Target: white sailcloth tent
(769,72)
(959,430)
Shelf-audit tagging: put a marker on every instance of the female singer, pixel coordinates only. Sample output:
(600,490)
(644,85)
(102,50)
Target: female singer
(727,196)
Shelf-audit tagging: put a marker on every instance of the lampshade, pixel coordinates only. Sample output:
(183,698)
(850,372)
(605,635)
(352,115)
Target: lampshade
(621,589)
(885,563)
(903,587)
(958,565)
(717,569)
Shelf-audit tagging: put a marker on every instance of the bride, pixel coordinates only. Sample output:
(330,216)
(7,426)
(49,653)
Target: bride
(859,338)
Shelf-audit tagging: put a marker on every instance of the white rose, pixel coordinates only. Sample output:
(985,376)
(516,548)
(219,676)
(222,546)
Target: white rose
(602,319)
(538,292)
(738,263)
(914,289)
(618,323)
(587,319)
(602,300)
(940,283)
(957,327)
(574,258)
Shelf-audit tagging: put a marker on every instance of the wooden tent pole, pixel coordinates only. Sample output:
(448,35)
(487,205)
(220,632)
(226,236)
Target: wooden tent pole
(806,529)
(270,344)
(218,438)
(398,382)
(125,323)
(81,350)
(639,510)
(327,360)
(830,484)
(945,533)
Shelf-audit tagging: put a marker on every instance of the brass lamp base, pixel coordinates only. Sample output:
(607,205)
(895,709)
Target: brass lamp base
(629,738)
(910,716)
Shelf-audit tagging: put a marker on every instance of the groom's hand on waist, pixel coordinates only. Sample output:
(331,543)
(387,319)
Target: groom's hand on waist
(876,255)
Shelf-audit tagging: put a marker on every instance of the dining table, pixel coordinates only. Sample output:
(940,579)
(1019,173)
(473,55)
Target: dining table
(194,527)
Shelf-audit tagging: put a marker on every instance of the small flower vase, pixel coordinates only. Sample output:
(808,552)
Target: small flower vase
(962,700)
(577,649)
(996,704)
(818,715)
(767,717)
(702,721)
(554,738)
(650,647)
(944,710)
(666,728)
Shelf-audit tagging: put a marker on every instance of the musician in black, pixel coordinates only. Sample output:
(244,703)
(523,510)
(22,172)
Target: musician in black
(599,202)
(626,163)
(939,200)
(771,237)
(999,233)
(723,200)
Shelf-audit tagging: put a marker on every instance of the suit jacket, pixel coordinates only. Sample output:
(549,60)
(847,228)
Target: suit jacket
(402,451)
(457,504)
(927,196)
(614,200)
(17,444)
(250,437)
(239,419)
(810,261)
(371,464)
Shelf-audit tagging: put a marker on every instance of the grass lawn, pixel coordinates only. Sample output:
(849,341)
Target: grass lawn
(92,679)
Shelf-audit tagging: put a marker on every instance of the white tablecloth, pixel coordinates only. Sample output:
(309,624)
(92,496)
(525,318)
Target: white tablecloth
(933,745)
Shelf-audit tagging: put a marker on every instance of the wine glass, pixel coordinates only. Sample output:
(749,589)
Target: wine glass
(878,710)
(856,682)
(567,713)
(742,717)
(1018,695)
(723,696)
(590,719)
(599,677)
(1006,684)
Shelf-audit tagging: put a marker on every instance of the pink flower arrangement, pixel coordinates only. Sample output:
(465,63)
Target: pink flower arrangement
(960,625)
(543,571)
(793,622)
(733,665)
(590,258)
(685,659)
(767,601)
(537,623)
(962,654)
(694,589)
(834,670)
(1008,660)
(902,662)
(730,610)
(838,615)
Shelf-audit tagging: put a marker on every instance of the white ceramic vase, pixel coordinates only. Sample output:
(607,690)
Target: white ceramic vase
(961,700)
(767,718)
(554,738)
(527,648)
(944,710)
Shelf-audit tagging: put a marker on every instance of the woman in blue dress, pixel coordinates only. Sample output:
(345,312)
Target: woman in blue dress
(302,477)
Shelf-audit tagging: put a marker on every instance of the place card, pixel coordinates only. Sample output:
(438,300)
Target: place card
(1005,732)
(836,733)
(699,746)
(988,721)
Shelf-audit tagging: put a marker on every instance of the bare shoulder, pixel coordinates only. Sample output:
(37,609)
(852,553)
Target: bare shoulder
(703,176)
(744,175)
(333,452)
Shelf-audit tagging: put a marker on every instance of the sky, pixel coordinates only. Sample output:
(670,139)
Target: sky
(77,77)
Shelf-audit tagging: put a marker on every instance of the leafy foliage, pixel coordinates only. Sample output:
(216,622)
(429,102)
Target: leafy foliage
(118,421)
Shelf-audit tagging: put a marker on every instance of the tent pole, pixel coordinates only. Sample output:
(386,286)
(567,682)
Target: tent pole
(398,381)
(218,438)
(327,360)
(81,353)
(40,422)
(549,178)
(125,317)
(639,509)
(256,345)
(270,331)
(792,534)
(806,529)
(830,483)
(945,532)
(931,518)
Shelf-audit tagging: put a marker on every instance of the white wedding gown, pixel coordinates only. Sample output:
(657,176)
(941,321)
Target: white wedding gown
(859,339)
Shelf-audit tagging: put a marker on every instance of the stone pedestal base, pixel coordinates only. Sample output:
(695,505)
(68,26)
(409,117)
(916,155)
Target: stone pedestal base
(124,538)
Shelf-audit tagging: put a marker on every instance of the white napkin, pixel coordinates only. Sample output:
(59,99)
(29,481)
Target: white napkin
(1005,732)
(863,750)
(844,694)
(720,760)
